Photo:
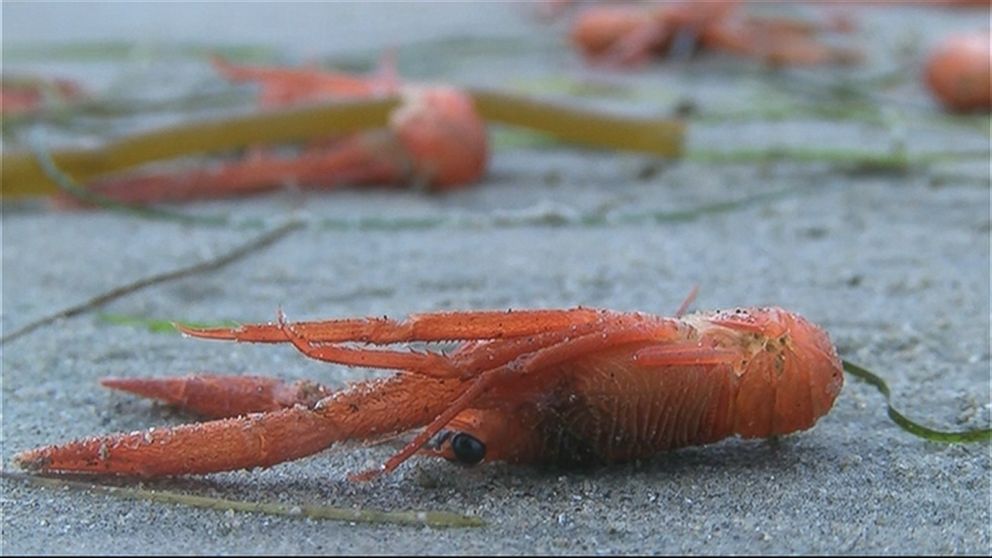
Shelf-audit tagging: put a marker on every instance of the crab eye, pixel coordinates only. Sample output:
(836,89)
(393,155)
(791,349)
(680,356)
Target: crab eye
(468,449)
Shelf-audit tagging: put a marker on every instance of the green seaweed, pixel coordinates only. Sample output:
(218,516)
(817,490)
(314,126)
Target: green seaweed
(23,176)
(155,325)
(770,105)
(553,219)
(114,51)
(565,85)
(70,186)
(502,137)
(594,128)
(434,519)
(897,160)
(913,427)
(72,114)
(67,184)
(242,251)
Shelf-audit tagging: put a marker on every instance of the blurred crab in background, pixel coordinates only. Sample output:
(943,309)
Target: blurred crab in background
(959,72)
(434,140)
(628,35)
(19,96)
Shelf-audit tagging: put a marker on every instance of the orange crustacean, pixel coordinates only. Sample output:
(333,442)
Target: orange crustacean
(959,72)
(435,139)
(29,95)
(627,35)
(566,387)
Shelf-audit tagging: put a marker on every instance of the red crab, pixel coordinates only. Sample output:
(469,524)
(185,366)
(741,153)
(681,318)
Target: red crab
(25,96)
(575,386)
(959,72)
(626,35)
(435,139)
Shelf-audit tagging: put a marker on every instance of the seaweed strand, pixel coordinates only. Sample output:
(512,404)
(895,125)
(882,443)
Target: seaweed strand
(436,519)
(234,255)
(914,428)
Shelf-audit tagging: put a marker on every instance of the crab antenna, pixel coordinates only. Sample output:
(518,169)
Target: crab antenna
(689,299)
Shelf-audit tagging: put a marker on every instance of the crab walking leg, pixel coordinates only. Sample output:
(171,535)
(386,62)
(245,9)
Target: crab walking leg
(636,48)
(364,159)
(437,326)
(285,86)
(428,363)
(365,410)
(217,396)
(278,80)
(776,45)
(433,364)
(500,352)
(610,335)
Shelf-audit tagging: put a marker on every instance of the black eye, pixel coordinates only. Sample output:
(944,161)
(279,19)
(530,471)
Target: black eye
(468,450)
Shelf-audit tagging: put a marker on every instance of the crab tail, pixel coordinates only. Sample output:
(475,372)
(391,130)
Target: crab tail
(215,396)
(258,440)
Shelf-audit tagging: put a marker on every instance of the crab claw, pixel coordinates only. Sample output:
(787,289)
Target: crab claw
(256,440)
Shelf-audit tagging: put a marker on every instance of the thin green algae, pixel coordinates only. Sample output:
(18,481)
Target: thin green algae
(435,519)
(911,426)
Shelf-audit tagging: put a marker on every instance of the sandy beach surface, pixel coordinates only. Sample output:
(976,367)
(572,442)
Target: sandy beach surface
(894,263)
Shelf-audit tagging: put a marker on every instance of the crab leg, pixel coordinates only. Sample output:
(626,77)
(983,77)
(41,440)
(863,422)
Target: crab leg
(423,327)
(427,363)
(636,48)
(362,159)
(283,86)
(217,396)
(496,353)
(365,410)
(279,84)
(437,326)
(775,45)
